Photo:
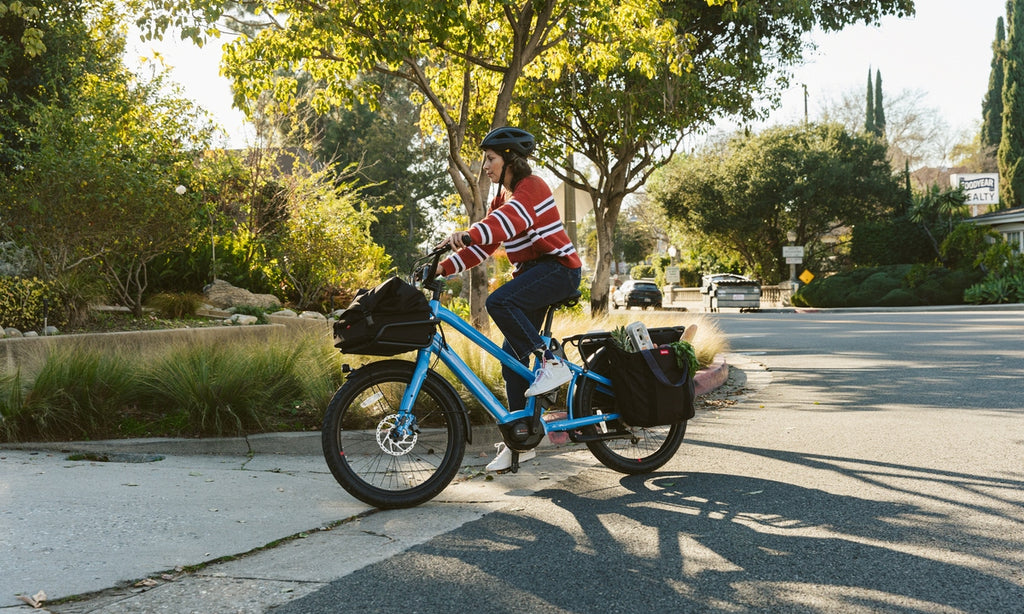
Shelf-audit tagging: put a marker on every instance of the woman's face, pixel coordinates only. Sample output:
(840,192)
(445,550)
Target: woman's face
(493,163)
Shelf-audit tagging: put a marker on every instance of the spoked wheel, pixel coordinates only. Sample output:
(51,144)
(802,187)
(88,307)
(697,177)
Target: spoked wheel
(382,457)
(637,449)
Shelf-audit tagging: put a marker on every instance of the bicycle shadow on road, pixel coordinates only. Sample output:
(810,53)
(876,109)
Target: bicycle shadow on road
(753,543)
(691,542)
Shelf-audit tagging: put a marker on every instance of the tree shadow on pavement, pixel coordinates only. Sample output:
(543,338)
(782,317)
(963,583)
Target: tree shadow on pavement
(691,542)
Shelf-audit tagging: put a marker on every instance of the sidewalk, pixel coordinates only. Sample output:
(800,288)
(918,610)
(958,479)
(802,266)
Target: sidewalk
(211,525)
(72,527)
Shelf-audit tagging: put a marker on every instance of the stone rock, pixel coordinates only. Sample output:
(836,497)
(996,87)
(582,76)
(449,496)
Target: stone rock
(312,315)
(285,313)
(51,330)
(223,295)
(240,319)
(31,333)
(12,332)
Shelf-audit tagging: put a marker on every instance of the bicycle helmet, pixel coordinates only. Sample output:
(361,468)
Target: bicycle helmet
(507,138)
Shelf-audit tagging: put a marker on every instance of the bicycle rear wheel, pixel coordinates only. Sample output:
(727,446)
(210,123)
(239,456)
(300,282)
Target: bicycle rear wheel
(383,458)
(637,449)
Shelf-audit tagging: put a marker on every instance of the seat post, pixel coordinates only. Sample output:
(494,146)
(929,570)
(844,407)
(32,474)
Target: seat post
(549,316)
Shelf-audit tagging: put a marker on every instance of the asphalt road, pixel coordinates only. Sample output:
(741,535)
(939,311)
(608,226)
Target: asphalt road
(875,463)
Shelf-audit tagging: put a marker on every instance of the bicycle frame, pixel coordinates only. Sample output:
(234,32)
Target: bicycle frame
(440,348)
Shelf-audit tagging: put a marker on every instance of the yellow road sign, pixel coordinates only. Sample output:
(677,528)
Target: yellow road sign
(806,276)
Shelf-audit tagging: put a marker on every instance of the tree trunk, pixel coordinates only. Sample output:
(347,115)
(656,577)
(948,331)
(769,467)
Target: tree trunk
(605,218)
(607,203)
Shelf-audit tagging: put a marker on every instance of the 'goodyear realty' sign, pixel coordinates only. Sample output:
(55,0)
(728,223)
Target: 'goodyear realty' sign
(980,188)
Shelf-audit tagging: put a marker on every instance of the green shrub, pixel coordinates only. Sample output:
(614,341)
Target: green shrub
(74,393)
(26,303)
(876,286)
(997,289)
(176,305)
(12,404)
(242,388)
(1004,282)
(961,248)
(898,298)
(833,291)
(935,285)
(194,389)
(643,271)
(211,385)
(888,286)
(251,310)
(889,241)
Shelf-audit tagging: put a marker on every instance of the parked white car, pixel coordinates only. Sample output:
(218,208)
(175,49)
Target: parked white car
(730,290)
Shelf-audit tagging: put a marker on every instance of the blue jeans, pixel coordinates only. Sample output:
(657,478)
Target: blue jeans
(517,309)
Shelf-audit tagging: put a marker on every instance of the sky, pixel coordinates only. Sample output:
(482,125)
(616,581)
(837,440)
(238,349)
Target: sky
(944,51)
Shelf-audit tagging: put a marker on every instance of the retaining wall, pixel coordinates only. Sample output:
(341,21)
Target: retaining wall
(16,351)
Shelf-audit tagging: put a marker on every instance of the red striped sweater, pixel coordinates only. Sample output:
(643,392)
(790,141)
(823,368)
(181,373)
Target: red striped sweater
(527,223)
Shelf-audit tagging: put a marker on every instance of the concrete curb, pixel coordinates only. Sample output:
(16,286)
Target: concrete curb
(711,377)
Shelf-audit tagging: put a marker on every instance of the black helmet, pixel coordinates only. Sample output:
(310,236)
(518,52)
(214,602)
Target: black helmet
(507,139)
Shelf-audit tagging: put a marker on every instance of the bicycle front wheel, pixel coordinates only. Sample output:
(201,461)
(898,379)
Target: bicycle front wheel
(636,449)
(387,459)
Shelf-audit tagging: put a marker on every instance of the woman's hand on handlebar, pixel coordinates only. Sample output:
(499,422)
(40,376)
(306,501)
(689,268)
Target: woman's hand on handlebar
(458,240)
(455,241)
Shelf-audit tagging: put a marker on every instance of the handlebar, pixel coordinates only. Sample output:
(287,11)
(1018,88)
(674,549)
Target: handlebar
(427,273)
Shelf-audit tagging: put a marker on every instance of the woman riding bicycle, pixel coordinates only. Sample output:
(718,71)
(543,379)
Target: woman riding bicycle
(523,216)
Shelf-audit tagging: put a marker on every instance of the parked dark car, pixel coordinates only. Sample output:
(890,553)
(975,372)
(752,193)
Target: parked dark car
(730,290)
(637,293)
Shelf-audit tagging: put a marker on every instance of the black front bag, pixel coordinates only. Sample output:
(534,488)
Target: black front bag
(651,389)
(390,319)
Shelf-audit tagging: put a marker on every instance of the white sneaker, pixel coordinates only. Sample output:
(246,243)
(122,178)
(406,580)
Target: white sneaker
(503,460)
(553,374)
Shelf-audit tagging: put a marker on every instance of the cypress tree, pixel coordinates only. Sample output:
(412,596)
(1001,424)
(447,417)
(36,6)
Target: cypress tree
(869,115)
(1011,144)
(908,192)
(992,105)
(879,110)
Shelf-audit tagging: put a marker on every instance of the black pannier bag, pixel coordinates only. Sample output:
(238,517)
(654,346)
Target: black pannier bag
(651,389)
(390,319)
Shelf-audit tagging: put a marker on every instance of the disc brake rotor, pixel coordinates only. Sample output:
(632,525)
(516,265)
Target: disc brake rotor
(391,440)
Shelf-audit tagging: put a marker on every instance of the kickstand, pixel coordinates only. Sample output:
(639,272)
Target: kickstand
(515,462)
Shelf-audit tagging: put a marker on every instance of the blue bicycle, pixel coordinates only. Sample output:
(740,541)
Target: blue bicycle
(395,433)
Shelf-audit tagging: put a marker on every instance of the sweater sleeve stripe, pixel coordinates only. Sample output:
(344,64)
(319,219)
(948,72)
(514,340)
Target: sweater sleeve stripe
(506,224)
(524,214)
(544,206)
(550,229)
(485,233)
(457,262)
(479,252)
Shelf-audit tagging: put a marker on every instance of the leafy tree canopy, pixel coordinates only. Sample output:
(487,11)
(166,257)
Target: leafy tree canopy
(46,50)
(748,193)
(627,122)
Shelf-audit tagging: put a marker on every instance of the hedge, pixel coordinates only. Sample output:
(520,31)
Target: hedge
(28,303)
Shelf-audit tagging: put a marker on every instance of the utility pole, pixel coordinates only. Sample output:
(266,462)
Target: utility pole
(805,103)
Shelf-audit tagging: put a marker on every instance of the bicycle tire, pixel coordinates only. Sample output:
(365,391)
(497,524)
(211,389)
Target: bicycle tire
(644,450)
(362,448)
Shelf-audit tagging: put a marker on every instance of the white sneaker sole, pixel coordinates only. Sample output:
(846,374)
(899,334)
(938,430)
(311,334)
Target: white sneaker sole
(501,464)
